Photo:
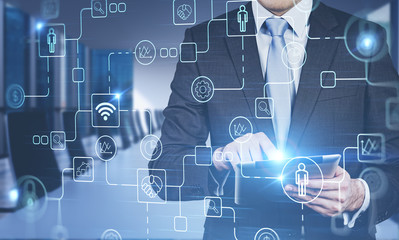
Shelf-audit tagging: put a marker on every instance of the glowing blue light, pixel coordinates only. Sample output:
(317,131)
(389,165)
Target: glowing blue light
(281,178)
(13,195)
(367,42)
(277,155)
(118,96)
(39,25)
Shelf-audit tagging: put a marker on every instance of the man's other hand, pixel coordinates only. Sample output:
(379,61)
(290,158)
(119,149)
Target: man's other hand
(331,201)
(254,149)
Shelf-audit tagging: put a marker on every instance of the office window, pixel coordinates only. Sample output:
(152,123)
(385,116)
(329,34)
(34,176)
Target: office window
(15,25)
(121,74)
(16,48)
(382,16)
(122,78)
(99,71)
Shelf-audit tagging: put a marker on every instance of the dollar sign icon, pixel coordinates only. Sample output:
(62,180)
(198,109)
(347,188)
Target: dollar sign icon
(15,96)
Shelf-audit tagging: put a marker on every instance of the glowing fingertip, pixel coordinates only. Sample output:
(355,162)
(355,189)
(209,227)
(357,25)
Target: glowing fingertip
(13,195)
(277,156)
(39,25)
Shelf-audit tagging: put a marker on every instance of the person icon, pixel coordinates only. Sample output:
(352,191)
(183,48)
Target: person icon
(242,18)
(301,179)
(51,40)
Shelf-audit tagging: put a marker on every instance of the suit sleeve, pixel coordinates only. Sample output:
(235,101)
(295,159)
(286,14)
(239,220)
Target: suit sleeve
(185,126)
(383,80)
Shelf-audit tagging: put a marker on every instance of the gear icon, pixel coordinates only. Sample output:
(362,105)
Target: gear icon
(203,89)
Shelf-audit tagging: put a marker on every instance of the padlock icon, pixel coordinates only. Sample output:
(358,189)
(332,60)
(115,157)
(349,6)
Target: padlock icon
(29,199)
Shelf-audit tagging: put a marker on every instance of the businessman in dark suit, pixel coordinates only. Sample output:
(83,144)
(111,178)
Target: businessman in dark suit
(309,119)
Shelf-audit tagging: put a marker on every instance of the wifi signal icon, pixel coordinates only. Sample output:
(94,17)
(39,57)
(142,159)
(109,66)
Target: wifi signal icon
(105,109)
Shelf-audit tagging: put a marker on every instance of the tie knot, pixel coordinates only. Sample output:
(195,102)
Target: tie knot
(276,26)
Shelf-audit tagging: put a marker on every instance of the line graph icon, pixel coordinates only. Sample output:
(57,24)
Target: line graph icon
(106,148)
(105,110)
(240,129)
(371,148)
(145,52)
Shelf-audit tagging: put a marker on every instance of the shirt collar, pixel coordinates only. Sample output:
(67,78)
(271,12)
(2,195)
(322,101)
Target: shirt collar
(297,19)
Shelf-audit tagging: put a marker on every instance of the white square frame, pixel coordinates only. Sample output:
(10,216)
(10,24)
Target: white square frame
(106,9)
(63,40)
(51,140)
(206,206)
(139,186)
(200,164)
(93,112)
(174,223)
(227,18)
(321,79)
(383,152)
(73,75)
(195,49)
(186,23)
(271,106)
(388,118)
(92,164)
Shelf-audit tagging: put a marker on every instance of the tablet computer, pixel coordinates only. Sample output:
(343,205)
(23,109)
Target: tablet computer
(260,181)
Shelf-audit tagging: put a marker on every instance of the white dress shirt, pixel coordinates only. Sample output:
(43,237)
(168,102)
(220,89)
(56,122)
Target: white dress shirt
(298,33)
(298,21)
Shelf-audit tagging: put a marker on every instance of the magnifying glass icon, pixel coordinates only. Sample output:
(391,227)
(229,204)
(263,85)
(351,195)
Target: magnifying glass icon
(212,206)
(263,107)
(57,140)
(98,7)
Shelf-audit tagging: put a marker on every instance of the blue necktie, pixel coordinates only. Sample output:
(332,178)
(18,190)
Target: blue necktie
(280,85)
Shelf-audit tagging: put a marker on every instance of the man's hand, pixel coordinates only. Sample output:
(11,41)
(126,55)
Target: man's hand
(235,152)
(330,202)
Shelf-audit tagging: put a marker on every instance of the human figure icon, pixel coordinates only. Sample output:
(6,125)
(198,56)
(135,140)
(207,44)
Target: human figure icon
(301,179)
(51,40)
(242,18)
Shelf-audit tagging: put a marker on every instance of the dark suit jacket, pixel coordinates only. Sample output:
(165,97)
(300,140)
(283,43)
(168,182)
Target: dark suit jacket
(324,121)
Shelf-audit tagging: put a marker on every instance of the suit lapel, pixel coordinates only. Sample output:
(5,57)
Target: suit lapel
(245,57)
(320,54)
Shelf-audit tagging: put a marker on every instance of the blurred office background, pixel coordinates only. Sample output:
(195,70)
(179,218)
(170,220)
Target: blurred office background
(143,88)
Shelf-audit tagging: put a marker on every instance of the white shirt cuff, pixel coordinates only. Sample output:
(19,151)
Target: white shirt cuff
(362,209)
(219,190)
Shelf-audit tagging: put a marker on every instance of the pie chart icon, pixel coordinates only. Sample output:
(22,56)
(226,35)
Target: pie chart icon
(151,147)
